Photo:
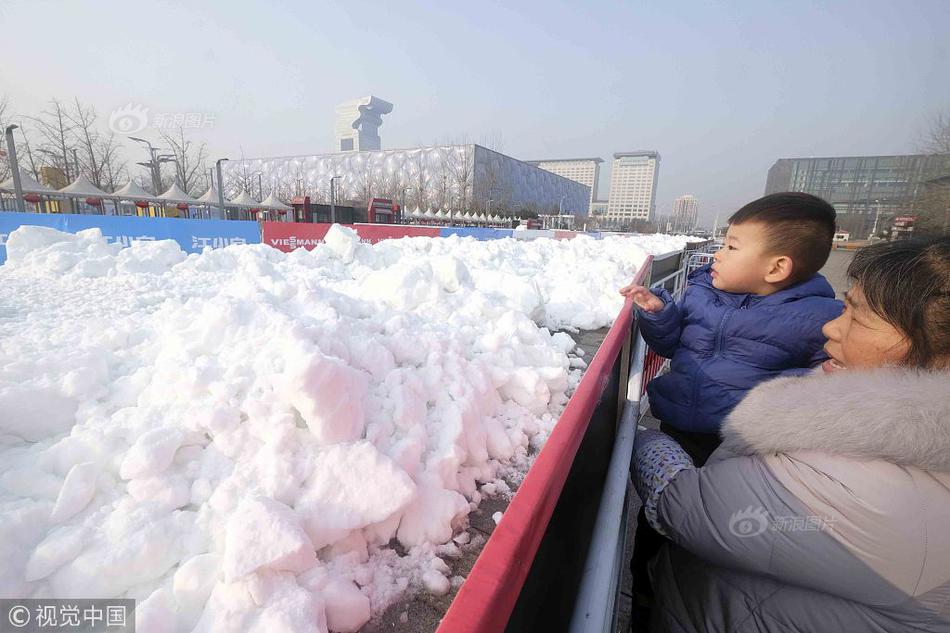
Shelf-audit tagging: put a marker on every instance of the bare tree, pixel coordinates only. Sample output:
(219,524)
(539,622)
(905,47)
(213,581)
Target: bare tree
(932,204)
(58,145)
(4,162)
(935,139)
(190,161)
(115,172)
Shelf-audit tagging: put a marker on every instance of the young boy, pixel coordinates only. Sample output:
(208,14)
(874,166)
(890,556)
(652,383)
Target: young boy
(754,314)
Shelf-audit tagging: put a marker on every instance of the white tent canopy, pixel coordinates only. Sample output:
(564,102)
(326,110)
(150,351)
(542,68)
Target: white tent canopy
(440,214)
(273,202)
(244,199)
(210,197)
(428,215)
(81,187)
(417,213)
(28,183)
(132,191)
(175,194)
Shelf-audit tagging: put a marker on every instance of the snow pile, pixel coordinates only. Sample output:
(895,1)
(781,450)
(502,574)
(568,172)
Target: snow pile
(237,439)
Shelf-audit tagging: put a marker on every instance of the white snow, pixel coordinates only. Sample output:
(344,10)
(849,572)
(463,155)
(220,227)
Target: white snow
(235,438)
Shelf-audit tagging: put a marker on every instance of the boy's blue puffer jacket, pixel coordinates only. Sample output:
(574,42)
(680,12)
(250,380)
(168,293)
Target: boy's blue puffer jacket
(723,344)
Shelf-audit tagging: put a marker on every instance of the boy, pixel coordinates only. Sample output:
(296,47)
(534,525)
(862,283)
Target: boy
(755,314)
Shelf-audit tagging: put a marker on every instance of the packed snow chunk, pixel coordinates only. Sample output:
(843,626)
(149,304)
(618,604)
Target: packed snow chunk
(193,583)
(342,242)
(132,546)
(404,286)
(264,603)
(328,394)
(265,534)
(58,548)
(346,607)
(77,491)
(28,239)
(156,614)
(151,453)
(148,256)
(451,273)
(435,582)
(433,515)
(35,413)
(351,487)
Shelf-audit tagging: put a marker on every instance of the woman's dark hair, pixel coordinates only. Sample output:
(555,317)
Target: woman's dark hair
(907,283)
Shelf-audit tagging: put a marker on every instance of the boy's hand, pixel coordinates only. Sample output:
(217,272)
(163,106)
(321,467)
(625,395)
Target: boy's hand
(643,298)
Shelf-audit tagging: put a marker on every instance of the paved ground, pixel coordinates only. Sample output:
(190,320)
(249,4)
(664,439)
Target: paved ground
(836,271)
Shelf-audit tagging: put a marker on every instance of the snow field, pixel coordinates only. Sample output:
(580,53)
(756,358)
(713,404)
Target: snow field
(247,440)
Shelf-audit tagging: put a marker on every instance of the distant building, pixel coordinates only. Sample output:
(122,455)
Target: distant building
(685,214)
(583,170)
(633,180)
(598,207)
(862,189)
(357,124)
(445,177)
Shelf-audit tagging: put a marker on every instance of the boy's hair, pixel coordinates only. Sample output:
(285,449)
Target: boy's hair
(799,225)
(907,283)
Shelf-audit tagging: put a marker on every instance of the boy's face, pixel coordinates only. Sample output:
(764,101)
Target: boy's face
(742,266)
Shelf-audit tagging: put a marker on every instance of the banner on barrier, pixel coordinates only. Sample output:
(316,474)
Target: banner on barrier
(192,236)
(288,236)
(476,232)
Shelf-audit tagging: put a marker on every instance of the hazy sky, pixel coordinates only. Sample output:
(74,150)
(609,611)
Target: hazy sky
(720,88)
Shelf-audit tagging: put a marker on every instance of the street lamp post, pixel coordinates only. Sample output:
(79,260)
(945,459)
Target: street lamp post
(217,167)
(877,216)
(152,164)
(404,214)
(15,166)
(333,180)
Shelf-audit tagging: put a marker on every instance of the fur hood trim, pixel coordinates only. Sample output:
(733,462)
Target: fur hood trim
(898,415)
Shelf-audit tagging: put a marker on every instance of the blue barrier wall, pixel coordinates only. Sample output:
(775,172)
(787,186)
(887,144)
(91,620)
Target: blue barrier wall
(192,235)
(476,232)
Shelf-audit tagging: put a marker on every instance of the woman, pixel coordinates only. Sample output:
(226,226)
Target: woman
(827,508)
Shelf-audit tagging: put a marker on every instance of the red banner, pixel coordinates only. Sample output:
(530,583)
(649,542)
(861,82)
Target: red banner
(564,235)
(373,233)
(288,236)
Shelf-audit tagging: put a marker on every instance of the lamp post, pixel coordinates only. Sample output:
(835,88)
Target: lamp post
(404,214)
(333,180)
(15,166)
(152,164)
(217,167)
(877,216)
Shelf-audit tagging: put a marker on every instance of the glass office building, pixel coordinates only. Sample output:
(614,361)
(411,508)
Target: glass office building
(861,188)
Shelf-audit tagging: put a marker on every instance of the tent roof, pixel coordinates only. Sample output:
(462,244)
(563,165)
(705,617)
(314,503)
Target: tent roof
(175,194)
(273,202)
(28,183)
(211,197)
(132,191)
(82,187)
(244,199)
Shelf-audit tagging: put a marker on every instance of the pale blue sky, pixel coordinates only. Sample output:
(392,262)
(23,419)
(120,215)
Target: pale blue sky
(720,88)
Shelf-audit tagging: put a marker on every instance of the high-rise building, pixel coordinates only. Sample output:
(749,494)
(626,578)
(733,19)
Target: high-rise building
(685,214)
(583,170)
(357,124)
(861,188)
(633,186)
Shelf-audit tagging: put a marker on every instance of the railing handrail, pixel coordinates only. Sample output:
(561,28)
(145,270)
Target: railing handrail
(486,599)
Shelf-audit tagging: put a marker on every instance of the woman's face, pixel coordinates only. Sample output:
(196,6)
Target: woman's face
(859,338)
